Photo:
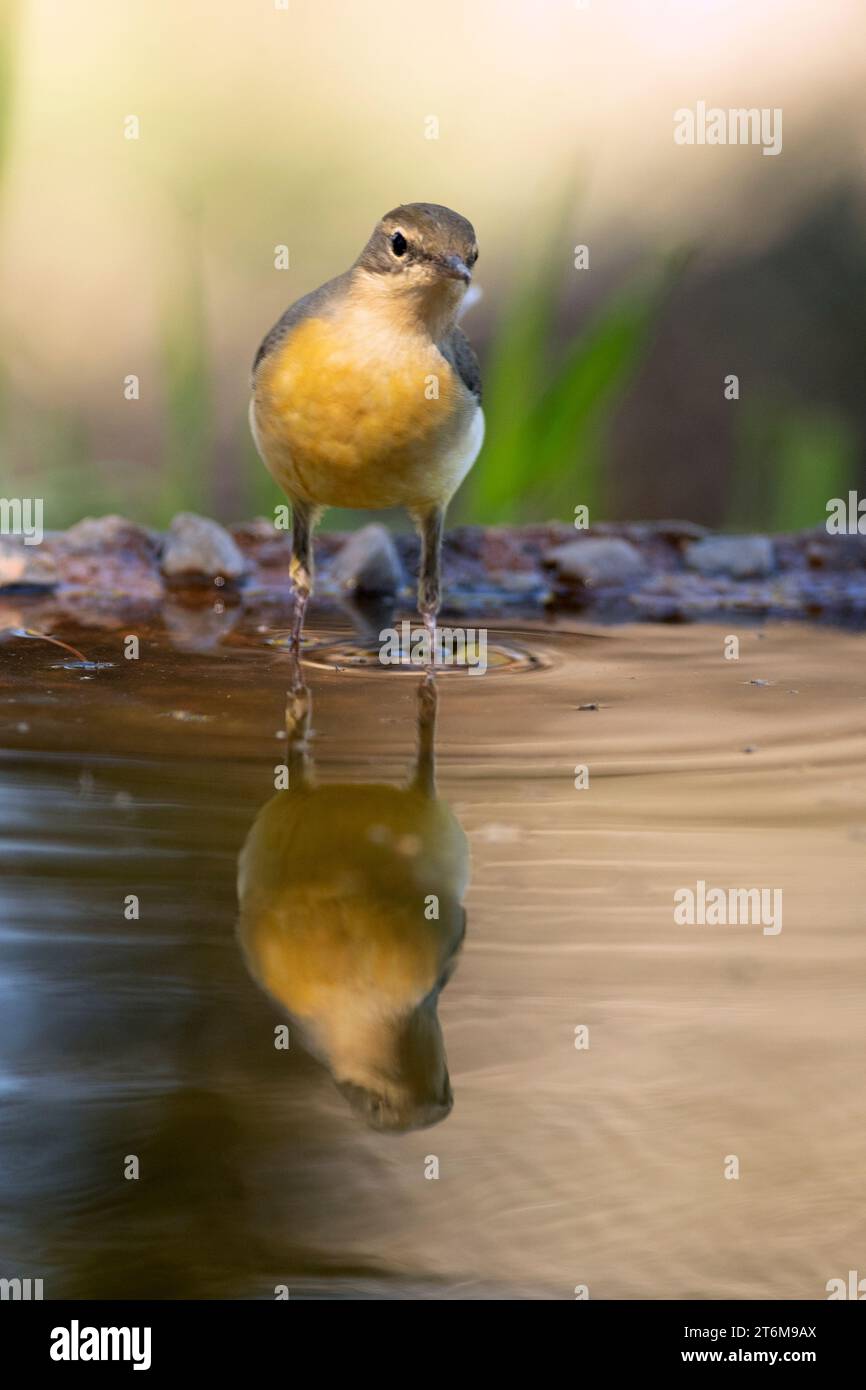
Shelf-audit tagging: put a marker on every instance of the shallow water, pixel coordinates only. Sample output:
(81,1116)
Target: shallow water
(602,1166)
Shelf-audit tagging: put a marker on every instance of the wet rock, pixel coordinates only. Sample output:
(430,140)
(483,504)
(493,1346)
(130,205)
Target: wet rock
(818,554)
(107,534)
(108,556)
(26,566)
(739,557)
(507,555)
(476,558)
(259,531)
(596,562)
(368,563)
(520,582)
(105,572)
(676,531)
(658,607)
(264,546)
(198,548)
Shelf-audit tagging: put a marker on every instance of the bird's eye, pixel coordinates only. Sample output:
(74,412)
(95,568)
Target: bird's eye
(399,244)
(473,256)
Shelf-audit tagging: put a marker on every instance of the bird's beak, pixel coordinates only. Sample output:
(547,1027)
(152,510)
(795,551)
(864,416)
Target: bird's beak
(457,269)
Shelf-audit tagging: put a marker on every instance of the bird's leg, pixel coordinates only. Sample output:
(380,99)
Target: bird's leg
(298,710)
(304,518)
(424,780)
(430,526)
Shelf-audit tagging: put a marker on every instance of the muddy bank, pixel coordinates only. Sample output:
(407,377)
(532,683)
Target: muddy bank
(104,569)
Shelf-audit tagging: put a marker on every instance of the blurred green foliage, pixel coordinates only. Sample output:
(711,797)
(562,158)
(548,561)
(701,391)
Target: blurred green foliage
(550,397)
(789,460)
(547,410)
(551,390)
(187,474)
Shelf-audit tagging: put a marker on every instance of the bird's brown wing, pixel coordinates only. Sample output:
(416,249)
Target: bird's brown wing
(459,353)
(310,306)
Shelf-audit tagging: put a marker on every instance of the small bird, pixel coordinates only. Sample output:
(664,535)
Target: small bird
(367,394)
(336,886)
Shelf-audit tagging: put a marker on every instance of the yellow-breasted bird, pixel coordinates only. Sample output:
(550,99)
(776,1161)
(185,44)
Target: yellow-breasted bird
(367,394)
(335,883)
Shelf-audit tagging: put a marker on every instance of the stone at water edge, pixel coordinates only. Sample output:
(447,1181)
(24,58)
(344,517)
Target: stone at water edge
(739,557)
(27,565)
(196,546)
(368,563)
(596,561)
(106,535)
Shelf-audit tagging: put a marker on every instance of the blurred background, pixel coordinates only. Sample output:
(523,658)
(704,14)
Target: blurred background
(264,124)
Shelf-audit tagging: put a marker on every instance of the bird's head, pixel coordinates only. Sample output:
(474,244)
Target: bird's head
(397,1080)
(424,253)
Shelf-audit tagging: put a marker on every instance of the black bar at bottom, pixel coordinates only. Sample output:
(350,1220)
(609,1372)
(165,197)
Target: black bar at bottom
(66,1337)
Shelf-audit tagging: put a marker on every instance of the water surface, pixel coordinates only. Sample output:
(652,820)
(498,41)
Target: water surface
(557,1166)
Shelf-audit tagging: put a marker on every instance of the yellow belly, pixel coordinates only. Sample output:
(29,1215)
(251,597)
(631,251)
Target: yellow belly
(326,910)
(350,417)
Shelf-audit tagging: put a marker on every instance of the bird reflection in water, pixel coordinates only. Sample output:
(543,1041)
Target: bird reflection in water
(351,917)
